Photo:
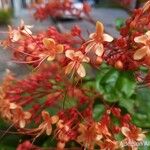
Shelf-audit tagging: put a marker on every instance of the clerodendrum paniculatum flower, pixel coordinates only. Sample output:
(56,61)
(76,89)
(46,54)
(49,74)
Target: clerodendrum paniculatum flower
(75,65)
(52,48)
(145,49)
(97,39)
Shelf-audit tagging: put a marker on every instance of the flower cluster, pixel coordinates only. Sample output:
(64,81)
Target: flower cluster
(59,8)
(124,2)
(41,94)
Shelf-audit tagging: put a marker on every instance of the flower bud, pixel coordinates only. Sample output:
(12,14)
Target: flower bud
(119,65)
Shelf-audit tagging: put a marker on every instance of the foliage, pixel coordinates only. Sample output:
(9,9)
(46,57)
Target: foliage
(5,16)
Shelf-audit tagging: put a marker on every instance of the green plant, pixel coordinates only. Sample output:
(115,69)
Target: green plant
(5,16)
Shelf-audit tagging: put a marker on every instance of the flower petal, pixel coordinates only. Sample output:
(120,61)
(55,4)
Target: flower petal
(29,26)
(99,28)
(140,53)
(12,106)
(125,131)
(82,128)
(146,6)
(81,138)
(27,31)
(22,123)
(81,71)
(49,130)
(70,54)
(85,59)
(148,34)
(15,36)
(59,48)
(141,39)
(9,28)
(90,46)
(51,57)
(45,115)
(22,23)
(92,35)
(79,55)
(141,137)
(69,67)
(99,137)
(27,115)
(99,49)
(54,119)
(48,43)
(107,38)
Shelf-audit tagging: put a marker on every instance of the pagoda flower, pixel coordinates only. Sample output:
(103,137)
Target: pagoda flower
(48,121)
(17,34)
(6,109)
(52,48)
(97,39)
(75,65)
(102,129)
(88,136)
(14,34)
(109,144)
(133,134)
(19,116)
(45,126)
(25,29)
(145,49)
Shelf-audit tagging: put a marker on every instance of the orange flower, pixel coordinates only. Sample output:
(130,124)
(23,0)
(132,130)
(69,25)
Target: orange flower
(14,34)
(53,48)
(97,39)
(25,29)
(109,145)
(88,136)
(17,34)
(134,134)
(45,126)
(19,116)
(48,121)
(75,65)
(145,50)
(62,134)
(13,112)
(5,109)
(102,129)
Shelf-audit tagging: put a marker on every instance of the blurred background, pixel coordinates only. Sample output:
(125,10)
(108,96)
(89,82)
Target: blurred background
(111,12)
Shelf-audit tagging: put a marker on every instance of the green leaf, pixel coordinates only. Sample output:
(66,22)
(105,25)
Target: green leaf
(141,117)
(119,23)
(115,85)
(126,84)
(68,102)
(98,111)
(128,105)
